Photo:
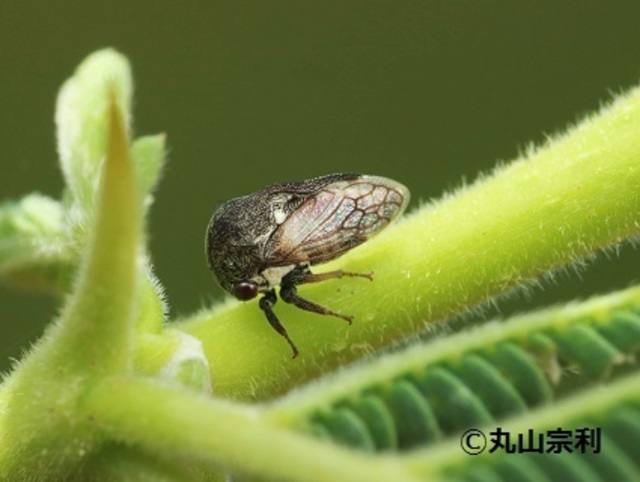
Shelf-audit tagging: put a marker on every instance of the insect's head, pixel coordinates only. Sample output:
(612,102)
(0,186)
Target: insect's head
(237,272)
(231,249)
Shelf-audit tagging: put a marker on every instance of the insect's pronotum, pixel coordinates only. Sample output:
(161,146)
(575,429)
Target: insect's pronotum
(272,237)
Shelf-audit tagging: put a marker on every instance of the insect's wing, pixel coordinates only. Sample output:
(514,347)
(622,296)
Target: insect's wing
(335,219)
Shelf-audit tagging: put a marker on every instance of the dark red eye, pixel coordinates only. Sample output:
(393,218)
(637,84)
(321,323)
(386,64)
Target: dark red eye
(245,290)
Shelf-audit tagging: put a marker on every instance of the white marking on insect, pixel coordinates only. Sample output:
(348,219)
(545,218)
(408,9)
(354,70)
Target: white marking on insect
(273,276)
(279,214)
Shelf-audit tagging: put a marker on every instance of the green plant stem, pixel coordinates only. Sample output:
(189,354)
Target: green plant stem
(40,429)
(142,411)
(106,290)
(577,194)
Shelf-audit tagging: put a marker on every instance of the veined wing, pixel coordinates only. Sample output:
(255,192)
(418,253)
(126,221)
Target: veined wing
(335,219)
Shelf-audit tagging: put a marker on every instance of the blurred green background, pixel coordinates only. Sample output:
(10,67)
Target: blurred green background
(249,93)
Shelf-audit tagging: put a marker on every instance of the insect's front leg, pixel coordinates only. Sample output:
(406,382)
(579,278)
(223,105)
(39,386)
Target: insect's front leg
(266,304)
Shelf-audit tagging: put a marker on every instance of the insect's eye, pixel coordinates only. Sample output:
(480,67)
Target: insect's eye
(245,290)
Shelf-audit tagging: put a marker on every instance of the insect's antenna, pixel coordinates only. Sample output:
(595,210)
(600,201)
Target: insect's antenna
(266,304)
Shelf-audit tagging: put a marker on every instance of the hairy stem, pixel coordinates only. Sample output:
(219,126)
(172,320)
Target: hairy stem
(575,195)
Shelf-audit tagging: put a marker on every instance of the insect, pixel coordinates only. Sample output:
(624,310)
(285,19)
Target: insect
(272,237)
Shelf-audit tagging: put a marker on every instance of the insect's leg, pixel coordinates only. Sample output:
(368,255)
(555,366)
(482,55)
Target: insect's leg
(302,275)
(289,294)
(266,304)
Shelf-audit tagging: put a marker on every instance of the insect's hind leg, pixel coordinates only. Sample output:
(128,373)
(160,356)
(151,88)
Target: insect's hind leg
(289,294)
(266,304)
(303,275)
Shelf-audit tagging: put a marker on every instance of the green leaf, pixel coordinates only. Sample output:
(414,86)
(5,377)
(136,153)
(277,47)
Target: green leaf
(35,251)
(82,125)
(148,158)
(441,388)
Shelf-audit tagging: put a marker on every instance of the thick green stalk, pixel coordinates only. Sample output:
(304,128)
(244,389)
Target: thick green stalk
(142,411)
(577,194)
(41,432)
